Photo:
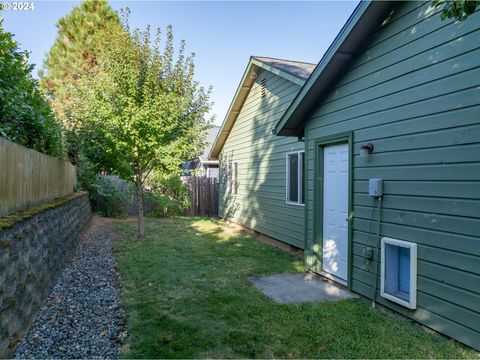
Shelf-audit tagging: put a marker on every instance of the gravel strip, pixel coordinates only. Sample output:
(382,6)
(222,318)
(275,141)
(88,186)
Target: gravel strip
(82,317)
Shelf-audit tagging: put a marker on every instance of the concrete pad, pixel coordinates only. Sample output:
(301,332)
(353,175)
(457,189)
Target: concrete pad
(299,288)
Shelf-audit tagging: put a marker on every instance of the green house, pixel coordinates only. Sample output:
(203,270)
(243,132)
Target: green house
(391,123)
(261,175)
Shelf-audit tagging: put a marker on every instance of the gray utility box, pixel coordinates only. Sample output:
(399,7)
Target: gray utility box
(375,187)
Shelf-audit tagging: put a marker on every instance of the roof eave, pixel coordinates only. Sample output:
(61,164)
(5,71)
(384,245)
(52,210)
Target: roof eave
(366,18)
(237,102)
(239,99)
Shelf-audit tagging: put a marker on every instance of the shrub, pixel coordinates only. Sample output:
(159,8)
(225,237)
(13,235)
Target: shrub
(25,115)
(169,194)
(87,173)
(107,198)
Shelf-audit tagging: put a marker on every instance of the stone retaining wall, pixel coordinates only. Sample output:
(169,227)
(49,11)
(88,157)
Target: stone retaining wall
(35,245)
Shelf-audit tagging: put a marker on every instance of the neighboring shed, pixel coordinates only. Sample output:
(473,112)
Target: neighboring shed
(201,165)
(255,190)
(397,98)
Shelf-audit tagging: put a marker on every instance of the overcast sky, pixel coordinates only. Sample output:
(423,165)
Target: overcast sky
(222,34)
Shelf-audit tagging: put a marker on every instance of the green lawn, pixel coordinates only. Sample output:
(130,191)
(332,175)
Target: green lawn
(187,295)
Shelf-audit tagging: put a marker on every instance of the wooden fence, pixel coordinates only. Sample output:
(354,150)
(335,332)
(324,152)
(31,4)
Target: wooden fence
(28,177)
(204,194)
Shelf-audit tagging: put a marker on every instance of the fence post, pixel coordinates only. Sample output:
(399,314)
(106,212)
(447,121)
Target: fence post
(212,197)
(217,197)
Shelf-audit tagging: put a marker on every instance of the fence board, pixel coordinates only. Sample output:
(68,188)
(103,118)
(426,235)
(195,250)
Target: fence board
(28,178)
(204,195)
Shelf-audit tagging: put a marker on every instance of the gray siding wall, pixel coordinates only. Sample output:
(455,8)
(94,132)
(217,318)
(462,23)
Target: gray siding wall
(414,92)
(260,203)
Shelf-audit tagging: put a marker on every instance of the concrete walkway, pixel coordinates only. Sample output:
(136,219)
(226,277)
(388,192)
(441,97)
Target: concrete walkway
(299,288)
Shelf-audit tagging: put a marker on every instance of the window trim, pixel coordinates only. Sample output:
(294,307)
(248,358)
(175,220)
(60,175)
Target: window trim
(232,185)
(235,180)
(229,177)
(412,301)
(300,174)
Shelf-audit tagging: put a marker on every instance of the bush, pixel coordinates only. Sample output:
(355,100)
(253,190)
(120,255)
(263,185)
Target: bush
(25,115)
(87,173)
(170,196)
(113,197)
(107,196)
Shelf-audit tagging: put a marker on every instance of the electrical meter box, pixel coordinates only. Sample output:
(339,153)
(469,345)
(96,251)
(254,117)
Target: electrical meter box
(375,187)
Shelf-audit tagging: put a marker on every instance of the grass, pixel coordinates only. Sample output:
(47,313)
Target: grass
(187,295)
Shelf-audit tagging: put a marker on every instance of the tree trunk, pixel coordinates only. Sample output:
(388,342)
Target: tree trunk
(141,224)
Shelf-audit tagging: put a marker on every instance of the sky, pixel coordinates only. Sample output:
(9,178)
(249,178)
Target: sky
(223,34)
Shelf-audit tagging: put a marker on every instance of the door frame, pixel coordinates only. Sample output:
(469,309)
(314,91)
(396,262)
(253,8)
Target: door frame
(320,144)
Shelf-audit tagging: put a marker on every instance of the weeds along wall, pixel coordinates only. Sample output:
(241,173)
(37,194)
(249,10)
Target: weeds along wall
(28,177)
(35,245)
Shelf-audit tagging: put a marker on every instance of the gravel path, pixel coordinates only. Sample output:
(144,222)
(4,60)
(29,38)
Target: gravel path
(82,317)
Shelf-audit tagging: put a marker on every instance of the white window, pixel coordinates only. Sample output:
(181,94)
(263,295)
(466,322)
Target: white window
(232,177)
(295,181)
(399,272)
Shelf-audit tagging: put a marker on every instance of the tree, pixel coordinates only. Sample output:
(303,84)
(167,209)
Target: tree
(73,54)
(25,115)
(458,9)
(145,106)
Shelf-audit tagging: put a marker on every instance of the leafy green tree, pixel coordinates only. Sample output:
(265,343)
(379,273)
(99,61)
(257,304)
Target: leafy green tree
(74,53)
(458,9)
(144,105)
(25,115)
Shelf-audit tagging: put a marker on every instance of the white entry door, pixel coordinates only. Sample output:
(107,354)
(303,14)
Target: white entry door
(335,211)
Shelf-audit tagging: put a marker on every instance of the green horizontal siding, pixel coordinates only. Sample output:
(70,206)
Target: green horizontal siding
(260,203)
(282,145)
(440,189)
(438,205)
(414,92)
(429,318)
(437,242)
(401,137)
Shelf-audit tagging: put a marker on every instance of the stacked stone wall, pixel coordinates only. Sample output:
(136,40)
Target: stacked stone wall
(35,245)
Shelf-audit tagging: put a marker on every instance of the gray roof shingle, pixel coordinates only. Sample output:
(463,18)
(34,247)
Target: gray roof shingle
(296,68)
(210,139)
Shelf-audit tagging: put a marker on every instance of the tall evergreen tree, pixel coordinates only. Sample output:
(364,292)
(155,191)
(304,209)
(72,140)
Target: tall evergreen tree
(75,53)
